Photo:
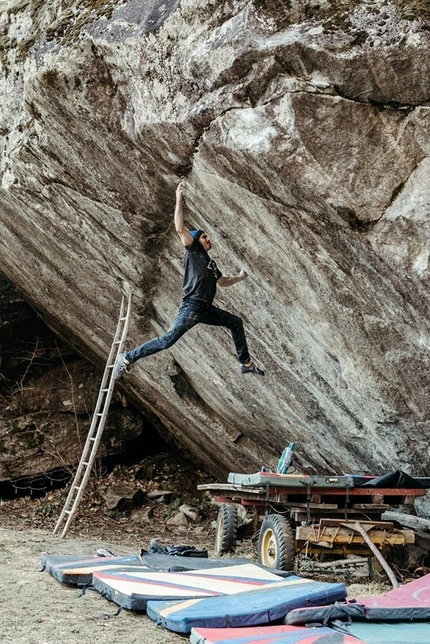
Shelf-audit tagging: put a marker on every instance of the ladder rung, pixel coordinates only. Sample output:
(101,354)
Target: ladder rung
(67,512)
(117,342)
(99,413)
(86,463)
(77,487)
(91,438)
(107,389)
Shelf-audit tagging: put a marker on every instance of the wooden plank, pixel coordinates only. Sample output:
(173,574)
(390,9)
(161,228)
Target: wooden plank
(358,527)
(381,525)
(342,535)
(370,506)
(293,491)
(239,500)
(230,487)
(377,491)
(314,506)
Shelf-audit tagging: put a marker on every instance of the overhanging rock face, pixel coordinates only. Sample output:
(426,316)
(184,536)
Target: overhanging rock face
(305,145)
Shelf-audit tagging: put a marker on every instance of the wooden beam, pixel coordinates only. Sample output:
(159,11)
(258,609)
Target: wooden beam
(381,525)
(345,535)
(407,519)
(379,556)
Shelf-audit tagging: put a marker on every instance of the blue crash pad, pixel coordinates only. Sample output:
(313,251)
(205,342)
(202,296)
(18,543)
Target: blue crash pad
(250,608)
(78,571)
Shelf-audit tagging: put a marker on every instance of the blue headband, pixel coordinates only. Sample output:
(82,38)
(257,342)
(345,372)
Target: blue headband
(196,233)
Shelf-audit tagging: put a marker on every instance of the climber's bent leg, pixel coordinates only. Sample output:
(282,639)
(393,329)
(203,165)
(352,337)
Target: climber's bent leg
(188,316)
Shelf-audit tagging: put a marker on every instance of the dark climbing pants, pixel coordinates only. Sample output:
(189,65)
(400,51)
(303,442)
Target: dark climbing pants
(191,313)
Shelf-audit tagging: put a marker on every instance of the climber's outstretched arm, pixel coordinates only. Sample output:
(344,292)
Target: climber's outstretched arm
(229,281)
(185,235)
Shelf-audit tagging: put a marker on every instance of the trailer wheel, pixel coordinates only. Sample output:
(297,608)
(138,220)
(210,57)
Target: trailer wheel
(226,529)
(276,543)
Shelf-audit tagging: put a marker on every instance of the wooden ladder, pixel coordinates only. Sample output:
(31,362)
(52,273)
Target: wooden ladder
(97,423)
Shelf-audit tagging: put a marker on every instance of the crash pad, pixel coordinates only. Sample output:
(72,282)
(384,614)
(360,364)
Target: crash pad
(174,563)
(267,604)
(78,571)
(398,632)
(270,635)
(133,588)
(293,480)
(408,602)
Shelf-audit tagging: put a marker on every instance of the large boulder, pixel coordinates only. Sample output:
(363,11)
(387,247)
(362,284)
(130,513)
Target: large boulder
(303,132)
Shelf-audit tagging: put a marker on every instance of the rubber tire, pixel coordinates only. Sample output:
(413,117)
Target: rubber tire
(276,543)
(226,529)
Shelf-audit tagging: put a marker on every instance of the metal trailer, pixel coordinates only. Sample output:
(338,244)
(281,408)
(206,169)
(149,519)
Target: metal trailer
(320,516)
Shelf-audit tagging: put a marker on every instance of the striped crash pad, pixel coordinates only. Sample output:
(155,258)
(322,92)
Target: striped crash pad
(271,635)
(250,608)
(78,571)
(133,588)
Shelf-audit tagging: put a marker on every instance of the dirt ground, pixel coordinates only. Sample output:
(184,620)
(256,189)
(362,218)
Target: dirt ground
(37,609)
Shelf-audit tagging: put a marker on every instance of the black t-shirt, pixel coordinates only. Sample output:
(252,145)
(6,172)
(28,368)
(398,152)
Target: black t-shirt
(201,274)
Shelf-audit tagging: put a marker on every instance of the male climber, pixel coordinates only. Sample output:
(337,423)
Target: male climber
(200,281)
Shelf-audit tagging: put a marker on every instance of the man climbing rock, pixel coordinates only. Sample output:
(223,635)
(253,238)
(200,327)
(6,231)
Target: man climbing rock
(200,281)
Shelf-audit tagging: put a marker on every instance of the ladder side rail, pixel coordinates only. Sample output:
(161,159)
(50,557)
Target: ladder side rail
(88,467)
(103,392)
(116,346)
(113,351)
(78,474)
(101,420)
(76,479)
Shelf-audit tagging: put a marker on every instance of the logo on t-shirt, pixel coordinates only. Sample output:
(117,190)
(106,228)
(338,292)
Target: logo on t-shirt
(214,268)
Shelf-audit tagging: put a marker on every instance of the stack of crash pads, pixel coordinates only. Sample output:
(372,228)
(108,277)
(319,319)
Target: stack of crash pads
(218,595)
(221,603)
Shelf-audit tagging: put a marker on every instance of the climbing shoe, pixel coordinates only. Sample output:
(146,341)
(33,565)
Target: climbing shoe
(121,367)
(252,368)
